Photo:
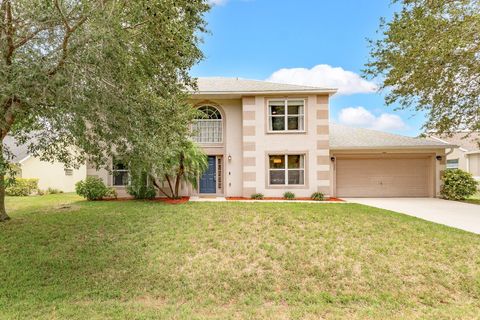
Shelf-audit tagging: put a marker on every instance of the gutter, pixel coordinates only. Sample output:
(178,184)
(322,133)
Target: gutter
(393,147)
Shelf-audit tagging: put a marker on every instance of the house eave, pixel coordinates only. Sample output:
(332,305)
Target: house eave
(379,148)
(261,92)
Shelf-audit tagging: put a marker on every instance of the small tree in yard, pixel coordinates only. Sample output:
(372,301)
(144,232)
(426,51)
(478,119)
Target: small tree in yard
(186,163)
(81,80)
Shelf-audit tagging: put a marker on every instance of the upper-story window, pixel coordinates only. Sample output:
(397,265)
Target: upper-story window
(286,115)
(208,127)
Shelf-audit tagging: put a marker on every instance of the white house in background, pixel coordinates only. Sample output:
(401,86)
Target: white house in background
(50,175)
(467,155)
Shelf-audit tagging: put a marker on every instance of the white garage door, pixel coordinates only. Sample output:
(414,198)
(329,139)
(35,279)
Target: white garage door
(383,177)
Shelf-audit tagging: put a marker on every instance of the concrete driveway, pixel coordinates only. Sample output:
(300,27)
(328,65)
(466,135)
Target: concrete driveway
(459,215)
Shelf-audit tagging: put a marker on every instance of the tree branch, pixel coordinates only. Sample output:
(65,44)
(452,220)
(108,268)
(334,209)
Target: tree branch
(9,32)
(9,115)
(169,184)
(64,18)
(68,32)
(28,38)
(155,183)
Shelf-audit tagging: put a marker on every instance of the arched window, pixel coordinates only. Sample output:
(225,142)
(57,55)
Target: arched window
(208,127)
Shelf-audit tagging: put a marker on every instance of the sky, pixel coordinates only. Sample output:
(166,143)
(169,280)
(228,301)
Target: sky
(310,42)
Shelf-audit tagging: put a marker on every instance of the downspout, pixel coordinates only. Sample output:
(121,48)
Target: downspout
(449,152)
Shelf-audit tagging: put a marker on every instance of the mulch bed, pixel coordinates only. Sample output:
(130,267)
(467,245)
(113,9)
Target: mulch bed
(280,198)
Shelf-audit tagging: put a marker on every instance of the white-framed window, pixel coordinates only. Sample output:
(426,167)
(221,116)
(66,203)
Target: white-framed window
(452,164)
(120,173)
(286,169)
(286,115)
(208,127)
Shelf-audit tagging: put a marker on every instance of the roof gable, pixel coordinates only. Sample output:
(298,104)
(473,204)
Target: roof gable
(469,144)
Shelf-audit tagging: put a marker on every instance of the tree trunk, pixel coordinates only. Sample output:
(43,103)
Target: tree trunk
(3,168)
(181,171)
(170,186)
(3,213)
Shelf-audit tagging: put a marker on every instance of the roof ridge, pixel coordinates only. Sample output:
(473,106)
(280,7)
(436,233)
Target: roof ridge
(269,82)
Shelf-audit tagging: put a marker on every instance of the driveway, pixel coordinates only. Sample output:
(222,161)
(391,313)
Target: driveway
(459,215)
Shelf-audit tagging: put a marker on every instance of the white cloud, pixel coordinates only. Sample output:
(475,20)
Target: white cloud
(324,75)
(361,117)
(217,2)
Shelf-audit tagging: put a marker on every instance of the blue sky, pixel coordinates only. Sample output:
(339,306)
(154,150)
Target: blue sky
(316,42)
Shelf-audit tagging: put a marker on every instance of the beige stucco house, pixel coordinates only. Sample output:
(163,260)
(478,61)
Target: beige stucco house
(49,174)
(467,155)
(269,138)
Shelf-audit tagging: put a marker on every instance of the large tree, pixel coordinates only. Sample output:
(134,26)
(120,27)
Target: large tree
(428,58)
(83,79)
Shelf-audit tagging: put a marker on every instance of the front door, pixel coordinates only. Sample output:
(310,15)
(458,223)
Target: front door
(208,180)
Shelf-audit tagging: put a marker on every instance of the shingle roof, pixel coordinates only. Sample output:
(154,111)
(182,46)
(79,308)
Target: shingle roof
(343,137)
(470,143)
(222,85)
(18,152)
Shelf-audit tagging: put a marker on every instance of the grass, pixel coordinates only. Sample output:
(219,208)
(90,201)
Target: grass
(63,258)
(475,199)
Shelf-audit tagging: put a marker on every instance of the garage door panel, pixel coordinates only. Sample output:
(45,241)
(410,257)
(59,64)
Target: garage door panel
(370,177)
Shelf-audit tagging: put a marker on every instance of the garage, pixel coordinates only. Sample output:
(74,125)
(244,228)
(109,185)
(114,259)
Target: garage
(384,175)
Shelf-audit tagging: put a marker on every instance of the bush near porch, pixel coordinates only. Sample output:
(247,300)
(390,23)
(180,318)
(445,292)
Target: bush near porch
(65,258)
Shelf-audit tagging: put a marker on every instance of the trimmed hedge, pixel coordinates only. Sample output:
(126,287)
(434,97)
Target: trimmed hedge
(318,196)
(458,185)
(20,187)
(257,196)
(289,195)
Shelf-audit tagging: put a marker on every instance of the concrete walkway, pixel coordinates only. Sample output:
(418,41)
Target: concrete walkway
(455,214)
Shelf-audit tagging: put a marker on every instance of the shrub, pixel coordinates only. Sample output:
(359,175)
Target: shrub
(140,186)
(458,185)
(318,196)
(257,196)
(289,195)
(93,188)
(20,186)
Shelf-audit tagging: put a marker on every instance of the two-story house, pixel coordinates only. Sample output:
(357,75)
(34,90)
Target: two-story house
(268,138)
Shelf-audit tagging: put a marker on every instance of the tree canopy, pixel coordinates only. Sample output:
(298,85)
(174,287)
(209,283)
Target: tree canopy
(83,79)
(428,58)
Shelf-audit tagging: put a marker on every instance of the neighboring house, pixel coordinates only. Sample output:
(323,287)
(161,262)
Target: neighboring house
(467,155)
(269,138)
(49,174)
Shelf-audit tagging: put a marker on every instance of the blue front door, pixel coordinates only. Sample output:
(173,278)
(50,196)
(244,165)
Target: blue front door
(208,179)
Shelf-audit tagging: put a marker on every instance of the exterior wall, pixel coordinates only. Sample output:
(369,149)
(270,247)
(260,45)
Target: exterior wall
(258,143)
(52,175)
(462,158)
(474,164)
(231,148)
(438,166)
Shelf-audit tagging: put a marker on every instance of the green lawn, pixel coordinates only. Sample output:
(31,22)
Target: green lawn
(63,258)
